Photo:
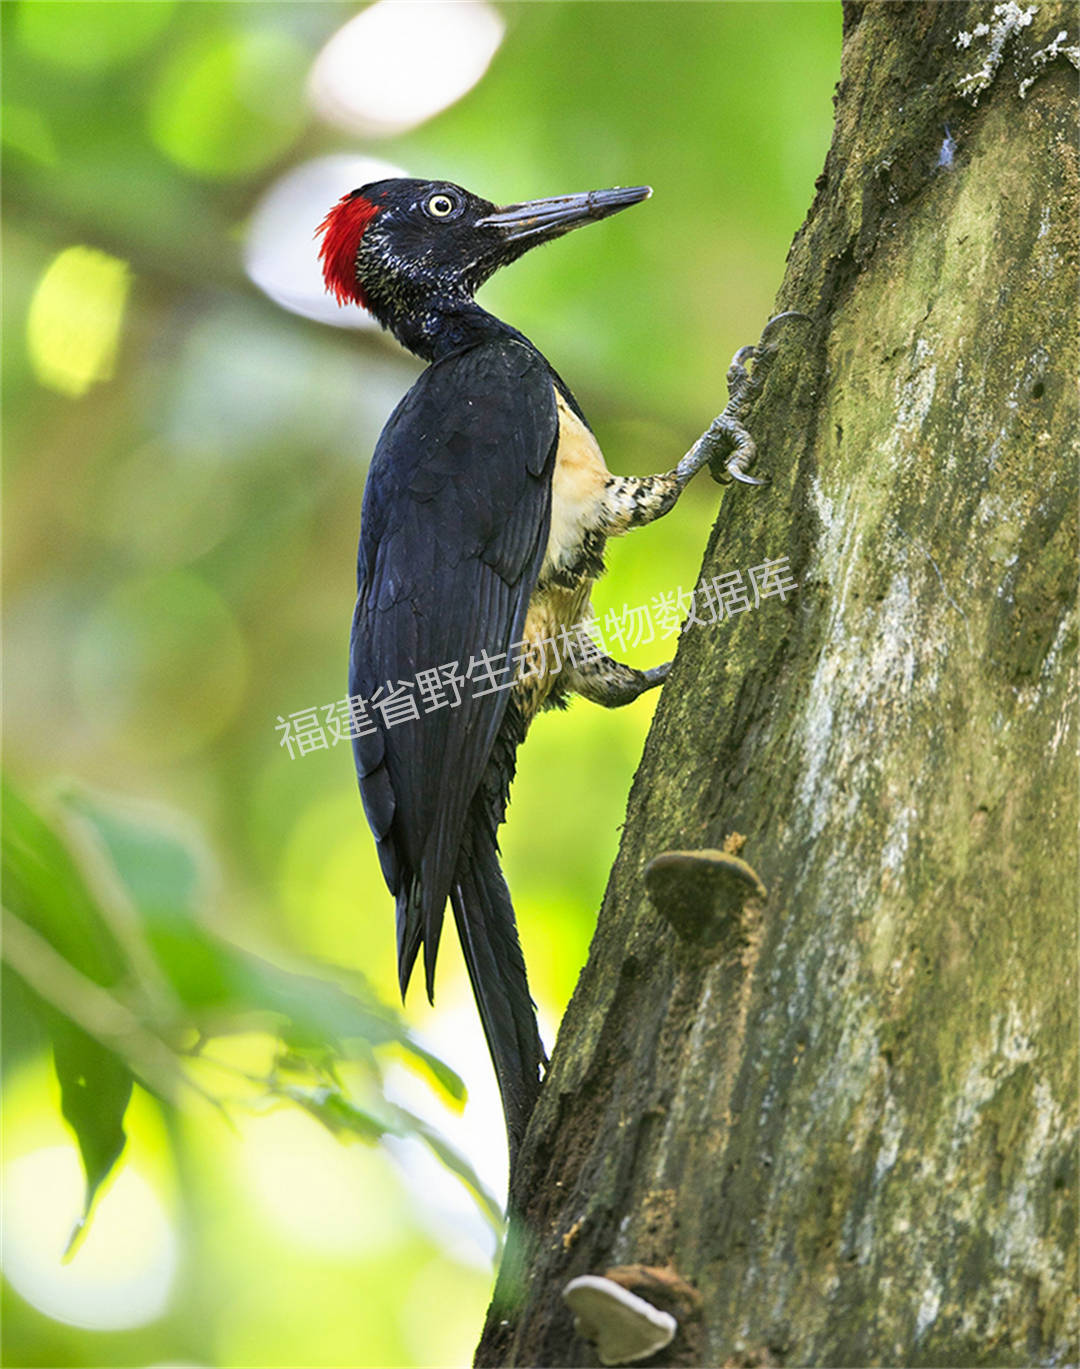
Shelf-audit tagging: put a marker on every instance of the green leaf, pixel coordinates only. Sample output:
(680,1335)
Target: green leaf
(113,895)
(409,1124)
(159,856)
(338,1113)
(448,1081)
(44,886)
(95,1088)
(167,875)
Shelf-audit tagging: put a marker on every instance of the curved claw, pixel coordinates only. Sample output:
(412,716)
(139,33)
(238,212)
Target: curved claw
(744,354)
(736,473)
(783,318)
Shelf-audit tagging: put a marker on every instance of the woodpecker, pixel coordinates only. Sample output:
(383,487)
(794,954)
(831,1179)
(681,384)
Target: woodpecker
(485,514)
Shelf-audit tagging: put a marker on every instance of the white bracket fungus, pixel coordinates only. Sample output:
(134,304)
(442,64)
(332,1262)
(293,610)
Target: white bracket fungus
(623,1327)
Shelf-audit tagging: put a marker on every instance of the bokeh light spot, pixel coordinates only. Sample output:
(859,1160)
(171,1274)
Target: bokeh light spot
(162,509)
(325,1195)
(230,104)
(282,255)
(398,63)
(25,131)
(76,313)
(89,38)
(124,1269)
(327,872)
(160,665)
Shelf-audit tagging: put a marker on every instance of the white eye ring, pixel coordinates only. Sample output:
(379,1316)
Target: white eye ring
(440,206)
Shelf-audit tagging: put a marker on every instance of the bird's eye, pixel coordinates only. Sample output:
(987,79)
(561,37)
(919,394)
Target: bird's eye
(440,206)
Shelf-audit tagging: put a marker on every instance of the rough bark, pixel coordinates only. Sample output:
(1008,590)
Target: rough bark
(845,1113)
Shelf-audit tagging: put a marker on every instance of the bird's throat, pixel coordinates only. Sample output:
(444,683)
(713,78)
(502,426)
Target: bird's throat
(437,328)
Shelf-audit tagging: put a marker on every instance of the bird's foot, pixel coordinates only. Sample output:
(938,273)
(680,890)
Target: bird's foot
(734,449)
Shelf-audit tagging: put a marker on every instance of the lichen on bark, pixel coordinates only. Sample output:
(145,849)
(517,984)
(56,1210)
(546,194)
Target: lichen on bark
(849,1121)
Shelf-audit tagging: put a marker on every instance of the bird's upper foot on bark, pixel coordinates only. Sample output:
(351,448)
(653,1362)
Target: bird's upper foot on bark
(737,450)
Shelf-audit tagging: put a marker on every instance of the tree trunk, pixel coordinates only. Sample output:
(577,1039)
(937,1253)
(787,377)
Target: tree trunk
(844,1112)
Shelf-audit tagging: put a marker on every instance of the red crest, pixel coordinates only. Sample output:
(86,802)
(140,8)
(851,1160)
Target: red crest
(342,230)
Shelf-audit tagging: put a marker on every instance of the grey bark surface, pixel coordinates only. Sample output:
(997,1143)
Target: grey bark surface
(840,1119)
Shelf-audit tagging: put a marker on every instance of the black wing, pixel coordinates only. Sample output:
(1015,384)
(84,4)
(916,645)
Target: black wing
(455,522)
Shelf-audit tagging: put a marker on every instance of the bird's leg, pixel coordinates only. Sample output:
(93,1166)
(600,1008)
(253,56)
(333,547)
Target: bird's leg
(611,683)
(632,502)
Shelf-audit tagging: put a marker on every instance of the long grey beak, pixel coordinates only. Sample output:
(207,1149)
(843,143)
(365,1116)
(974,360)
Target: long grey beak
(548,218)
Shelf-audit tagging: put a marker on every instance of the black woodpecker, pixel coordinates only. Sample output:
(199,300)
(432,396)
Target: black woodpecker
(484,519)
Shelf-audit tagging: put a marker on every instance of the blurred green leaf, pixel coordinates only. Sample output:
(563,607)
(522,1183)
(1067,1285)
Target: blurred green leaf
(44,886)
(439,1072)
(337,1113)
(166,873)
(95,1088)
(106,885)
(161,861)
(456,1163)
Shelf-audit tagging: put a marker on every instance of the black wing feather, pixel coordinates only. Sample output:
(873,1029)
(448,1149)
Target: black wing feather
(455,522)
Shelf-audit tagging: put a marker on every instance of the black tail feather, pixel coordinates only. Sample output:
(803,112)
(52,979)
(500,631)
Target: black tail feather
(488,932)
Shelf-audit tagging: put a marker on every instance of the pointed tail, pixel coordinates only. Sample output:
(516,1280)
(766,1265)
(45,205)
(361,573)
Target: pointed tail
(488,933)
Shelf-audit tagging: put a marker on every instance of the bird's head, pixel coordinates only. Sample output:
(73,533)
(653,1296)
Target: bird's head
(408,249)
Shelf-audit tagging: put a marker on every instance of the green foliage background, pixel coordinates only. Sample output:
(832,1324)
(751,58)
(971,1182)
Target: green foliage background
(179,571)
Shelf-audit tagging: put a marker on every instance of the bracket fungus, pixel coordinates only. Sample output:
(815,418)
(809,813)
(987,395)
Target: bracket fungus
(623,1327)
(701,893)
